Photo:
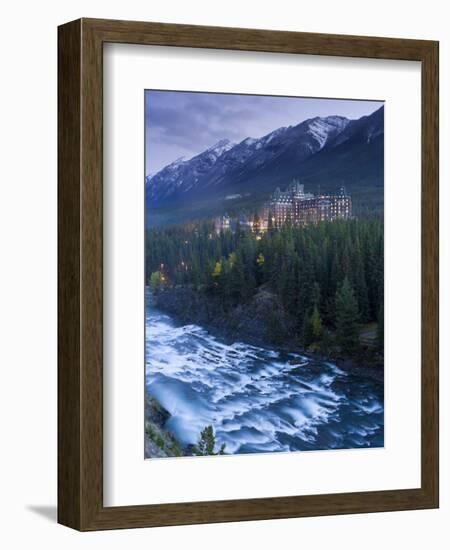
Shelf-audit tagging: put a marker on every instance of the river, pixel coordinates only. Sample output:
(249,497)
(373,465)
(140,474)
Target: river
(257,399)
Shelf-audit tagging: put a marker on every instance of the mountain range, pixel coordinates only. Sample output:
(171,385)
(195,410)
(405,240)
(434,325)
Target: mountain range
(323,152)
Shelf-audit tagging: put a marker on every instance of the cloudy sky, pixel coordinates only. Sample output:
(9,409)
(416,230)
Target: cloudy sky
(183,124)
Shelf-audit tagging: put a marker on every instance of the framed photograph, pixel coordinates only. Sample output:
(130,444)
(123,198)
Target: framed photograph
(248,274)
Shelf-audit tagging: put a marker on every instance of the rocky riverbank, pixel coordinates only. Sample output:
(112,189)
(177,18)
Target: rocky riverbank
(159,443)
(261,320)
(251,398)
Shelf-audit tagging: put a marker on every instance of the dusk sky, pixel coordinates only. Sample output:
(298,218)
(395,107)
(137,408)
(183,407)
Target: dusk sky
(183,124)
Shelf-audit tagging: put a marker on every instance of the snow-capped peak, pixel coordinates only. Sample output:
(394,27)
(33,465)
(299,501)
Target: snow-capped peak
(269,137)
(221,147)
(322,129)
(226,164)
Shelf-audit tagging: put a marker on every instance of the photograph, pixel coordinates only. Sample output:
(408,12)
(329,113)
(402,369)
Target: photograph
(264,273)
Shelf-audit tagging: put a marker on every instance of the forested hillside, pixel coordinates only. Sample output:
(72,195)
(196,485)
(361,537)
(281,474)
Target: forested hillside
(326,278)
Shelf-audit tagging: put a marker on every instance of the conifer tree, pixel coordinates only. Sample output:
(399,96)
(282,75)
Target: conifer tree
(238,288)
(260,261)
(217,270)
(347,319)
(207,442)
(359,283)
(155,281)
(316,325)
(313,330)
(302,266)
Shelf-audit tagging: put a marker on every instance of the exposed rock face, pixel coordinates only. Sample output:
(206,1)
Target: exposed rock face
(224,162)
(261,319)
(155,412)
(159,443)
(188,305)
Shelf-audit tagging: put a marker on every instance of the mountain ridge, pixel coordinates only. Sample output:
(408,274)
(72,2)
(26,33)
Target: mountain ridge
(255,166)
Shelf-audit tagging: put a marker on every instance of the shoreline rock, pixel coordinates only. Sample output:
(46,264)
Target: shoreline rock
(255,322)
(258,320)
(159,443)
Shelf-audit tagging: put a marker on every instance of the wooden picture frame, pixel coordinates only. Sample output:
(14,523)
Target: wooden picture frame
(80,272)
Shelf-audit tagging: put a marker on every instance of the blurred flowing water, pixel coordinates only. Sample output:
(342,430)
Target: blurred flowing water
(257,399)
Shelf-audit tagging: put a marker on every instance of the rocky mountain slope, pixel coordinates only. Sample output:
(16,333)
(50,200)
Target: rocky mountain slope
(322,151)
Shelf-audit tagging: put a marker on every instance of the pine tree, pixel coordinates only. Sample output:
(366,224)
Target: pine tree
(305,283)
(313,329)
(307,335)
(316,294)
(215,280)
(260,261)
(303,267)
(247,247)
(207,442)
(359,284)
(195,272)
(316,325)
(156,281)
(347,319)
(237,279)
(217,271)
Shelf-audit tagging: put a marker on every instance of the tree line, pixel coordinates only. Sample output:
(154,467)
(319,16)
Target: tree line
(327,277)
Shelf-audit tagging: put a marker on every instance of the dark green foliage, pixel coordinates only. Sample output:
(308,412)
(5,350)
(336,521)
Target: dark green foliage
(156,281)
(305,267)
(347,319)
(163,440)
(206,443)
(313,328)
